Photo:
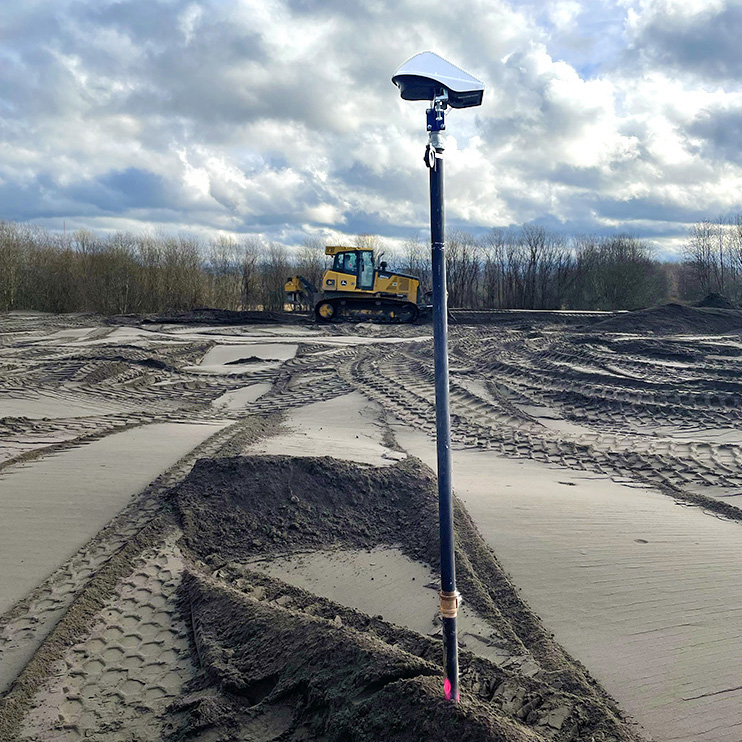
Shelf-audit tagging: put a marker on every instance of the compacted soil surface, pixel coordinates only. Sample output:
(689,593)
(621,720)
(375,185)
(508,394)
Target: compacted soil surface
(223,526)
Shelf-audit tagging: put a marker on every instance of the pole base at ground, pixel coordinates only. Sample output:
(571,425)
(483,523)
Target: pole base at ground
(451,668)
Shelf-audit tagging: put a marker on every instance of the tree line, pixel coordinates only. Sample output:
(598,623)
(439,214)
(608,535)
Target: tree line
(526,268)
(713,257)
(124,273)
(534,268)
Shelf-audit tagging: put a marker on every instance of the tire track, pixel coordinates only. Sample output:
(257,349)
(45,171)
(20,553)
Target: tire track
(403,386)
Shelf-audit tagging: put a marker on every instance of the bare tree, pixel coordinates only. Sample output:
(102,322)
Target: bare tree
(12,265)
(700,254)
(149,253)
(223,268)
(462,269)
(617,273)
(494,268)
(367,241)
(123,271)
(416,262)
(181,272)
(735,256)
(274,270)
(554,272)
(249,251)
(533,241)
(311,261)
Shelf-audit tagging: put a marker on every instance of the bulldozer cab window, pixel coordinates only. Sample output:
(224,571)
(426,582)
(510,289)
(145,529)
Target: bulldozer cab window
(365,269)
(345,262)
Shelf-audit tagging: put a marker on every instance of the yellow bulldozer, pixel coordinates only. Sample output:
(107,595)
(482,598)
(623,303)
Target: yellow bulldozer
(357,288)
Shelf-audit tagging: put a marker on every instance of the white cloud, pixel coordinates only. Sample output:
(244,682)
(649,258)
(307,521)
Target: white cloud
(564,14)
(189,20)
(278,117)
(326,214)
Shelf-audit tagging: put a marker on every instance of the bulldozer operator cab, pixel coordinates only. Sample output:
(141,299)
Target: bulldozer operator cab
(359,263)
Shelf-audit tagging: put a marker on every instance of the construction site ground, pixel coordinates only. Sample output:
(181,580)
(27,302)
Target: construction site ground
(221,526)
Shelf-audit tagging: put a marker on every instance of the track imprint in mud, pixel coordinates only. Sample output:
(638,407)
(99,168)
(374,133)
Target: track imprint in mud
(135,660)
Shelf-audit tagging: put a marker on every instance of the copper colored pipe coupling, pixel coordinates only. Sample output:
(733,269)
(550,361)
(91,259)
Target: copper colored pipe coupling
(450,602)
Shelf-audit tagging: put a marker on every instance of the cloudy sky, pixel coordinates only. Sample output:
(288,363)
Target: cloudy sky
(278,118)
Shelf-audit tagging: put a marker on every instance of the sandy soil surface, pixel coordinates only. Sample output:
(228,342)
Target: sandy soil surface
(50,508)
(647,595)
(347,427)
(248,546)
(385,582)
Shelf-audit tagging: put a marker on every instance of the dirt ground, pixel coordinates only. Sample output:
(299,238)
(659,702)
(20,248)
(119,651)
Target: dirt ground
(224,526)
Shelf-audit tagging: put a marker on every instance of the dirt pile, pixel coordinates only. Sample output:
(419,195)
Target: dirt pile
(280,661)
(649,348)
(522,319)
(675,319)
(715,300)
(238,507)
(250,359)
(270,673)
(224,317)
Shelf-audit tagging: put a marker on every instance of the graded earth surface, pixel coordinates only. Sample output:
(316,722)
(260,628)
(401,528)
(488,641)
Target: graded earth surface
(223,526)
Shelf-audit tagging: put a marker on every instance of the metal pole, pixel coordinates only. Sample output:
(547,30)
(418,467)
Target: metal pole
(449,597)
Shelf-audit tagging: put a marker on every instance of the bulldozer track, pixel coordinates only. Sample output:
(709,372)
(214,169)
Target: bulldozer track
(402,383)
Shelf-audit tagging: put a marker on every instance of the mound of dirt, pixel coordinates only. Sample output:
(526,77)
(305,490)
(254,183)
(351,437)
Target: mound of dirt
(258,652)
(153,363)
(271,673)
(250,359)
(649,348)
(522,319)
(237,507)
(715,300)
(675,319)
(226,317)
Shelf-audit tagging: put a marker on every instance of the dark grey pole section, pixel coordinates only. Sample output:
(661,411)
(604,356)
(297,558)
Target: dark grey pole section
(426,76)
(449,597)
